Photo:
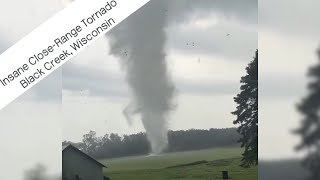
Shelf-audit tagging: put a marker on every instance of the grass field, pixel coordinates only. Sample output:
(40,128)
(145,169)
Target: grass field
(190,165)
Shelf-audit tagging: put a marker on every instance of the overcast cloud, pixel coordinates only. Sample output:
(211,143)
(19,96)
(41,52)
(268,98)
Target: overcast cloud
(288,39)
(204,74)
(295,18)
(196,24)
(207,75)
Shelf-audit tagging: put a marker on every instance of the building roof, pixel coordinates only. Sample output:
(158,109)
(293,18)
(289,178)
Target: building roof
(69,146)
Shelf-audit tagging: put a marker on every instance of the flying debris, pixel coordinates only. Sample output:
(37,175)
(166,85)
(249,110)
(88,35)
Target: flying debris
(228,34)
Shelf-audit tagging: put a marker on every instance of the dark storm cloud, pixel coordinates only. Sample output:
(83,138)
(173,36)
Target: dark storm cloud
(245,11)
(243,39)
(291,17)
(207,42)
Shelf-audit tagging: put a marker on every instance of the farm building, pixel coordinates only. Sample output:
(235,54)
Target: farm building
(77,165)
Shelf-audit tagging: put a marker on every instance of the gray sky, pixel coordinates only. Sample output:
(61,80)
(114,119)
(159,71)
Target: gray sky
(30,127)
(95,91)
(288,38)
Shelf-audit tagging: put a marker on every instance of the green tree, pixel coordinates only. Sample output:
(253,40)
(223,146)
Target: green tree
(247,114)
(310,125)
(91,143)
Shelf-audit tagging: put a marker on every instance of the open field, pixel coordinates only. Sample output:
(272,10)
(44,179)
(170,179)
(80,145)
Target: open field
(190,165)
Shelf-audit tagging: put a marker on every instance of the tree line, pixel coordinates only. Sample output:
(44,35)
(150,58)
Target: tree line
(113,145)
